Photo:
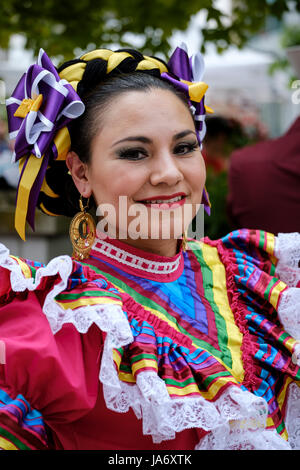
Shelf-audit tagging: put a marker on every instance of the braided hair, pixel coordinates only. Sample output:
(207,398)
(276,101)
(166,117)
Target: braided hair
(98,78)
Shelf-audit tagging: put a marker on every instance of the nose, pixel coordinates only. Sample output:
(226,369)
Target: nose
(165,170)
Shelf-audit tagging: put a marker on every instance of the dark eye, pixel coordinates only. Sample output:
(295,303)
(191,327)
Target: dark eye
(186,147)
(132,153)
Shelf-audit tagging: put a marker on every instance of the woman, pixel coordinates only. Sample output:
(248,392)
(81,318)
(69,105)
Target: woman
(141,340)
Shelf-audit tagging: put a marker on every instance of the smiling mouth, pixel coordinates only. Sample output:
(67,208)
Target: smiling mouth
(165,203)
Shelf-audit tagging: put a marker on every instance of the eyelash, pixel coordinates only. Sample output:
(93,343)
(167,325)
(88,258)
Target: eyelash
(131,153)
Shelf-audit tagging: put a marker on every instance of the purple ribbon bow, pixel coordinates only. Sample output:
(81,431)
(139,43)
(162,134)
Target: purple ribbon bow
(36,128)
(190,69)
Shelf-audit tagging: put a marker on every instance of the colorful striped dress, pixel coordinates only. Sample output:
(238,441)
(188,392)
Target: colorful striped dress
(131,350)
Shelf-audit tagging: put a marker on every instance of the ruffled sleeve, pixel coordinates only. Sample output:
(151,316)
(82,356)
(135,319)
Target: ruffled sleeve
(287,252)
(263,277)
(54,319)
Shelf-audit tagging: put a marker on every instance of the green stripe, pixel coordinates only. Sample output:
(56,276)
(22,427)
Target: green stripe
(87,294)
(211,378)
(283,337)
(269,287)
(261,239)
(7,435)
(143,356)
(208,293)
(139,298)
(272,269)
(182,384)
(280,427)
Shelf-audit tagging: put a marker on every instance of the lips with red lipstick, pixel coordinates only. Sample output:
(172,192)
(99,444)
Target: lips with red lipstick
(171,201)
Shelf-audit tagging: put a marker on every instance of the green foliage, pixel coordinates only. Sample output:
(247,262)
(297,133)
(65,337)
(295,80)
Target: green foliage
(60,27)
(290,37)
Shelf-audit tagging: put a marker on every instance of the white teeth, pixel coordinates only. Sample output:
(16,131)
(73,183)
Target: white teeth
(161,201)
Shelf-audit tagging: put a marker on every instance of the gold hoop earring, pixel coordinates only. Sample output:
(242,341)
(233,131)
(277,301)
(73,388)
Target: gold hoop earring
(82,232)
(184,241)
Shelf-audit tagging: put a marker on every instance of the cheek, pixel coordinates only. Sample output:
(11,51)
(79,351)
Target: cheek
(117,180)
(196,176)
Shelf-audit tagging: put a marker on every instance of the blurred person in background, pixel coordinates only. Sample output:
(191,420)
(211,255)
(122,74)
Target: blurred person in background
(264,184)
(264,181)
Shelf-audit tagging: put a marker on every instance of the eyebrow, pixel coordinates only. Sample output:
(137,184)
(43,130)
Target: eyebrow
(146,140)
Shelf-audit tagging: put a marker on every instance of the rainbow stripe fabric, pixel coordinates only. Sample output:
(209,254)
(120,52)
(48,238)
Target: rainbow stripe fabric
(212,324)
(21,427)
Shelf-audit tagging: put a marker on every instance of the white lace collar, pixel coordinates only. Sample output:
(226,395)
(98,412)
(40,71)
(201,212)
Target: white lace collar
(136,261)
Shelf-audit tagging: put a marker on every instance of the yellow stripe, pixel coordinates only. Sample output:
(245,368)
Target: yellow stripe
(88,301)
(197,91)
(62,143)
(146,65)
(281,400)
(144,363)
(29,175)
(103,54)
(158,63)
(269,422)
(46,211)
(208,109)
(126,377)
(74,84)
(24,267)
(7,445)
(276,291)
(235,337)
(160,315)
(21,164)
(215,387)
(45,188)
(181,391)
(290,344)
(270,246)
(115,59)
(117,358)
(74,72)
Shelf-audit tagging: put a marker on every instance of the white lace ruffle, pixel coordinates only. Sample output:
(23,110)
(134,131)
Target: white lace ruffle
(287,251)
(236,420)
(292,418)
(243,439)
(289,311)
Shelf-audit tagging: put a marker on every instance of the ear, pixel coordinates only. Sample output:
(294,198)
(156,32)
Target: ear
(79,172)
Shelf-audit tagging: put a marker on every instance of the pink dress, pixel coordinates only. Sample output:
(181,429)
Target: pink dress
(130,350)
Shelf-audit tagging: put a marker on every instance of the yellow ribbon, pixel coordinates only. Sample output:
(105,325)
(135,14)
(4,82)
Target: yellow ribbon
(62,142)
(27,105)
(28,178)
(149,64)
(196,90)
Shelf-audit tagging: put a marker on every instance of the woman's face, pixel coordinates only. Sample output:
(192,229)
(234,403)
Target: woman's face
(146,152)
